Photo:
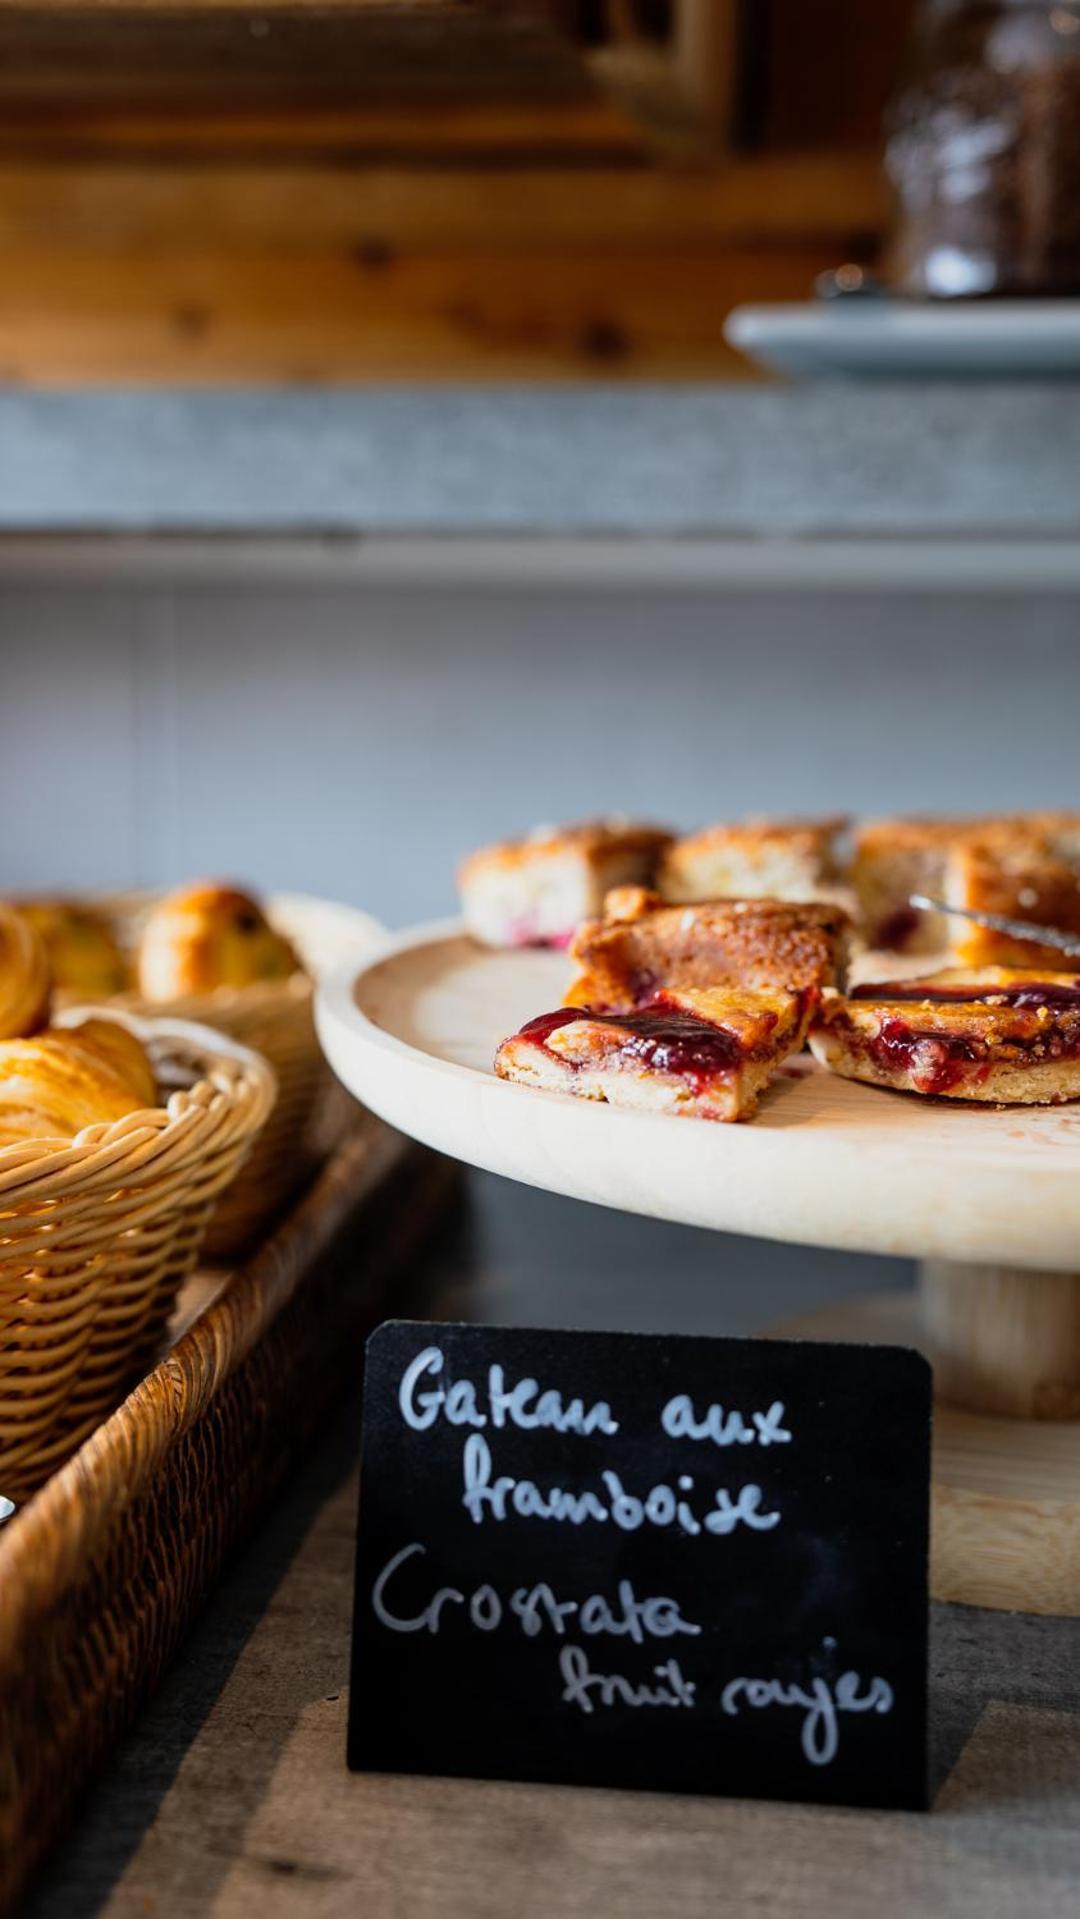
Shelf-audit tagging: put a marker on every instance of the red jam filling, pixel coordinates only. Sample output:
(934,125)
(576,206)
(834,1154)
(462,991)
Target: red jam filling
(895,931)
(668,1042)
(936,1063)
(1058,996)
(523,933)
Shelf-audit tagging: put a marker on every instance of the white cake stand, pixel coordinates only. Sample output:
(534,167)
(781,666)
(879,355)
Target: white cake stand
(987,1200)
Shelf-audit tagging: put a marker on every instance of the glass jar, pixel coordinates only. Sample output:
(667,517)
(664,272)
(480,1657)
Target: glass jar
(983,151)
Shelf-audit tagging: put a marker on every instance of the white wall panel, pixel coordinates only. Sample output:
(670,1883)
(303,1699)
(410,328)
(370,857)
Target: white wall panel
(354,741)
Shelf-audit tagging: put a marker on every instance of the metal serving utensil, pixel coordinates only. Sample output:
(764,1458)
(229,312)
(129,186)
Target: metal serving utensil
(1066,943)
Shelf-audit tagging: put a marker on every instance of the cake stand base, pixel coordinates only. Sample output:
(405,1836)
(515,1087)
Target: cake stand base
(1005,1520)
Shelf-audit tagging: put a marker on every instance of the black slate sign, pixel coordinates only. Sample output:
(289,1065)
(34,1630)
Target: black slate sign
(624,1560)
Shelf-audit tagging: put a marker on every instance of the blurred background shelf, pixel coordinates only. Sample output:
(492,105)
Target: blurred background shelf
(461,188)
(704,463)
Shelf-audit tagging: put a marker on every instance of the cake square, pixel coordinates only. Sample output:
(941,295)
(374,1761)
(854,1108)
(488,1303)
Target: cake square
(705,1054)
(643,945)
(757,859)
(1018,874)
(1007,1036)
(536,891)
(686,1010)
(1026,867)
(892,860)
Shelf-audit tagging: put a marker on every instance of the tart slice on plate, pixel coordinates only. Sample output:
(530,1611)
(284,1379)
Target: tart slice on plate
(1008,1036)
(1021,877)
(702,1054)
(535,891)
(642,945)
(1026,867)
(686,1010)
(755,859)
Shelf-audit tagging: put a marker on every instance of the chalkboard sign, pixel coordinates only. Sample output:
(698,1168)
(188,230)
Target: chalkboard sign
(624,1560)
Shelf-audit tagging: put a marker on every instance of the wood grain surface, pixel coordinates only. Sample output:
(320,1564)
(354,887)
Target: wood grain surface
(231,1796)
(1005,1512)
(826,1161)
(202,190)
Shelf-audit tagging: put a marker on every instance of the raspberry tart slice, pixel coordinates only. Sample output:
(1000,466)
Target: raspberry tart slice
(758,859)
(535,891)
(1019,875)
(893,859)
(704,1054)
(1007,1036)
(686,1009)
(1026,867)
(642,945)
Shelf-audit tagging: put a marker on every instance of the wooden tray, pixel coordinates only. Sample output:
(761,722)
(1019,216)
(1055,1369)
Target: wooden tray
(102,1571)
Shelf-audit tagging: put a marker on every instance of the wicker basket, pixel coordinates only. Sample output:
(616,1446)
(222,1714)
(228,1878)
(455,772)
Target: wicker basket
(277,1019)
(96,1236)
(103,1572)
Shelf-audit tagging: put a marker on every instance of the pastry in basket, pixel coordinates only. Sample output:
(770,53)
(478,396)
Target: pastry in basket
(643,944)
(1001,1034)
(65,1078)
(683,1010)
(205,936)
(24,976)
(119,1048)
(535,891)
(760,859)
(83,954)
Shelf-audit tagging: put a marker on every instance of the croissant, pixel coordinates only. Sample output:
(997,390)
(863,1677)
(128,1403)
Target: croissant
(65,1078)
(83,954)
(24,976)
(205,936)
(119,1048)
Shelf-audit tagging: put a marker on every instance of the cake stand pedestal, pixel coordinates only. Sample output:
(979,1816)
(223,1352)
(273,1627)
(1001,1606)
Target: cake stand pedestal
(988,1201)
(1005,1348)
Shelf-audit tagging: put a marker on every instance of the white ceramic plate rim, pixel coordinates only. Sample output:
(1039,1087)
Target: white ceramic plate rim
(941,323)
(335,1000)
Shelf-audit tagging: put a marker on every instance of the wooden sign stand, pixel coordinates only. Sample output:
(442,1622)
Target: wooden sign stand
(1005,1347)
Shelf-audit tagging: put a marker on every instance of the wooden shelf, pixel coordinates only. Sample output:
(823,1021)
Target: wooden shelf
(472,187)
(150,271)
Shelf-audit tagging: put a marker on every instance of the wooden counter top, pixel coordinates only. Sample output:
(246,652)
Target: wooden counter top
(231,1796)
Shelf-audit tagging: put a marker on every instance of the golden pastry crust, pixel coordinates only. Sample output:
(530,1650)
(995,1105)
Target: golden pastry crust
(590,840)
(537,890)
(644,945)
(119,1048)
(24,976)
(998,1034)
(84,956)
(1025,866)
(64,1079)
(1016,874)
(892,860)
(208,935)
(693,1054)
(757,859)
(762,1022)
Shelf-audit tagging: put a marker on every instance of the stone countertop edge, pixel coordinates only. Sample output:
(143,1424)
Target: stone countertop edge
(847,460)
